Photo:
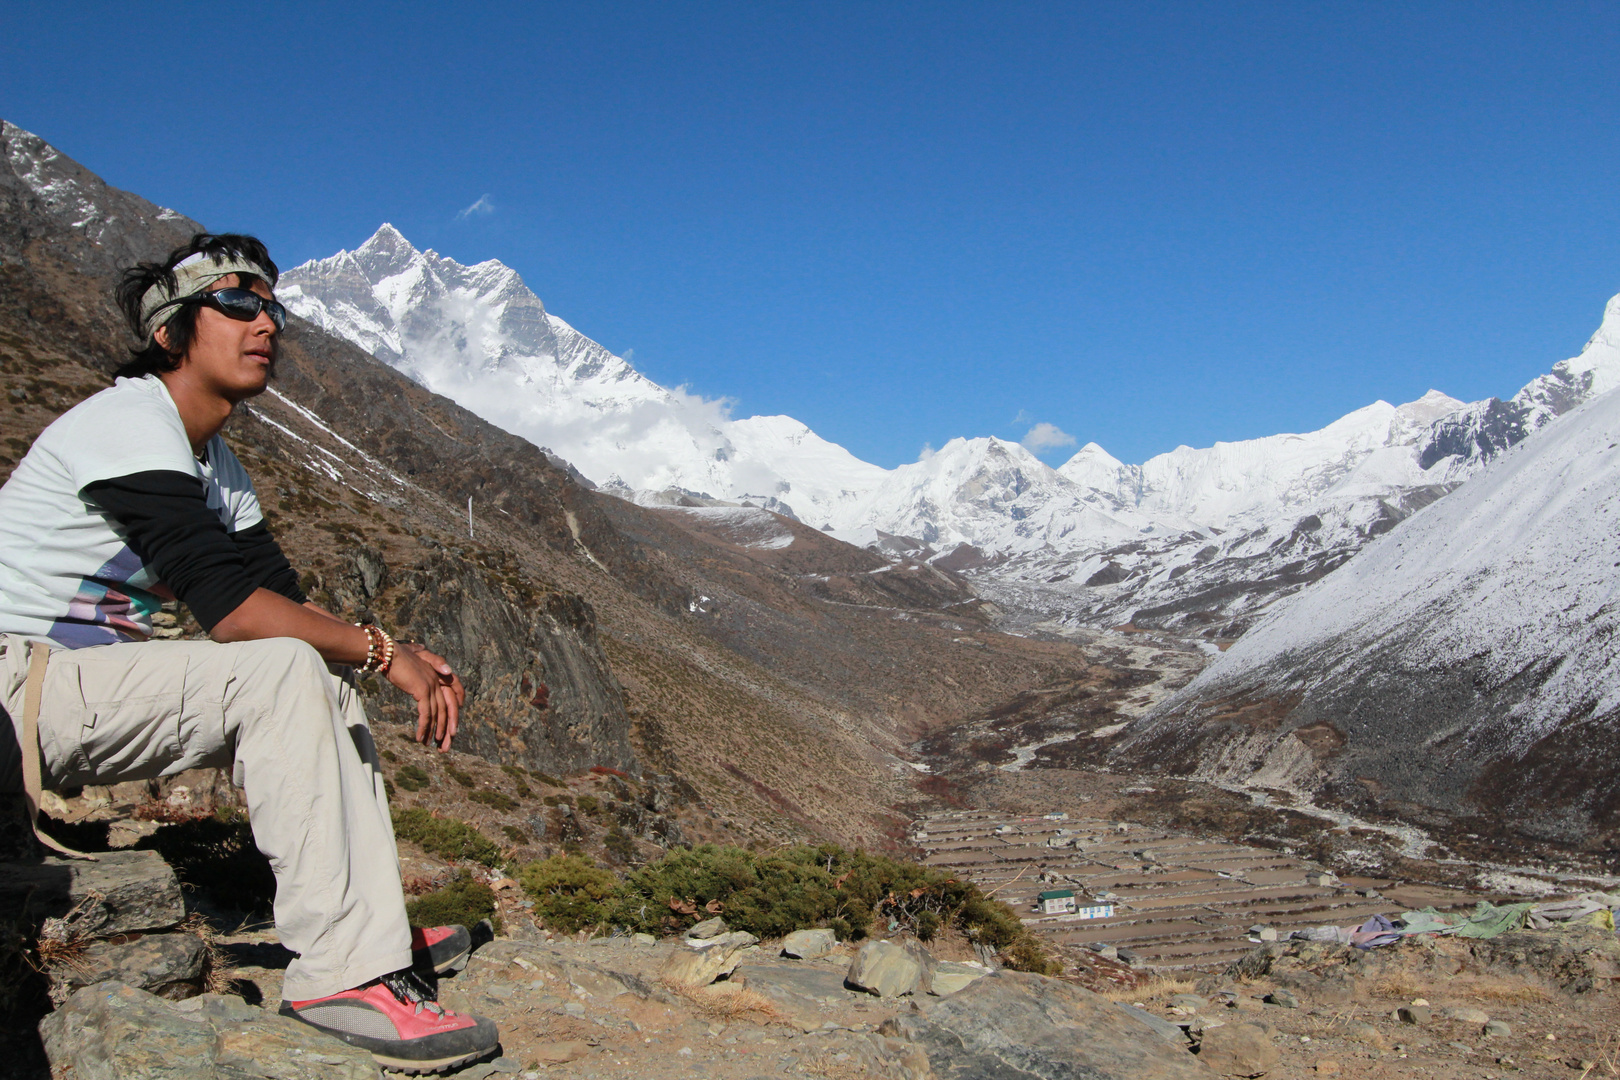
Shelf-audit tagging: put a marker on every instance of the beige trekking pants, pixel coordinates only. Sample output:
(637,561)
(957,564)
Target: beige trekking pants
(301,749)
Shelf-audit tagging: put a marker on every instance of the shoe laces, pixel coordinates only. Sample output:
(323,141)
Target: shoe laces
(409,988)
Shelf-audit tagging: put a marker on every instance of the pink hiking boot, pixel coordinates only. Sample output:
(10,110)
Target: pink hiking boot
(398,1022)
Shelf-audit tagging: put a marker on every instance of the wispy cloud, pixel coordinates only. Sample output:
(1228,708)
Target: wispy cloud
(482,208)
(1023,417)
(1043,437)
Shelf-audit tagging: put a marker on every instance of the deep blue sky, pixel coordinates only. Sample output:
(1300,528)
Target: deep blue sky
(1147,224)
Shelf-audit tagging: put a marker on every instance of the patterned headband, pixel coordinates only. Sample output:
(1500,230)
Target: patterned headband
(191,276)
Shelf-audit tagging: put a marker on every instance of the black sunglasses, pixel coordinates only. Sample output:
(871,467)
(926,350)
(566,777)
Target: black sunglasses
(243,304)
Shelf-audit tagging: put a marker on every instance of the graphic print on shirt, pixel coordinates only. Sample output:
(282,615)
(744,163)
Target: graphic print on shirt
(107,608)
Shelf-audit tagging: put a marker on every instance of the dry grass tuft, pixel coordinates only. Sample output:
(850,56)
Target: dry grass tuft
(1151,987)
(727,1001)
(1397,986)
(1518,993)
(825,1066)
(219,973)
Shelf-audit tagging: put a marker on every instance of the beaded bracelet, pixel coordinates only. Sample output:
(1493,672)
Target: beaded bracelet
(379,649)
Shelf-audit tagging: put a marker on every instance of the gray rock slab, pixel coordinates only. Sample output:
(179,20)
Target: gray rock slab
(121,892)
(114,1032)
(1015,1026)
(168,965)
(809,944)
(804,995)
(949,977)
(1238,1050)
(1163,1028)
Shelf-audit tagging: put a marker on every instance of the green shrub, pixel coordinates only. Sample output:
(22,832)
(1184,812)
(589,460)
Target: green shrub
(388,755)
(463,902)
(458,776)
(515,834)
(619,843)
(411,778)
(546,779)
(494,799)
(853,892)
(569,892)
(518,784)
(590,804)
(445,837)
(554,800)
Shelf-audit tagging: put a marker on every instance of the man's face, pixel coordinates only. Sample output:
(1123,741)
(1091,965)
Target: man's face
(233,358)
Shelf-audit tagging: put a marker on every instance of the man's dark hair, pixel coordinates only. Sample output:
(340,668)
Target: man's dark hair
(151,358)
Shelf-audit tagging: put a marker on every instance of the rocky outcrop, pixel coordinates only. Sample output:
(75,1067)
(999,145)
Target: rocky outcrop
(540,691)
(114,1032)
(120,892)
(1011,1026)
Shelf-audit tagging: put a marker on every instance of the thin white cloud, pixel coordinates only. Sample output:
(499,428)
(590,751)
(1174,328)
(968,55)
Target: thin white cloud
(926,452)
(1043,437)
(482,208)
(1023,417)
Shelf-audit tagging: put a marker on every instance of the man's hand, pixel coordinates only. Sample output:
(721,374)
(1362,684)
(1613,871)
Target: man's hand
(435,686)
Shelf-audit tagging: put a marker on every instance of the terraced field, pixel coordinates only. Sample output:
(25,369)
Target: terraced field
(1177,901)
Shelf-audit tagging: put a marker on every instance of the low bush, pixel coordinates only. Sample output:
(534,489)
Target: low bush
(458,776)
(515,834)
(590,804)
(494,799)
(519,785)
(411,778)
(463,902)
(445,837)
(851,891)
(570,892)
(619,843)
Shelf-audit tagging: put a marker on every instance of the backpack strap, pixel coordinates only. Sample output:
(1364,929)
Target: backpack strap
(33,691)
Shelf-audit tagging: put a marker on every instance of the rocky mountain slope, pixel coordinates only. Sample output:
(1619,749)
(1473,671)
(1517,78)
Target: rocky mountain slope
(774,674)
(1196,540)
(479,336)
(1461,669)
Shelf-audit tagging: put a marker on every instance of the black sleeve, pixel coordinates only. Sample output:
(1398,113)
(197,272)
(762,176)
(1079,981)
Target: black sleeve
(166,518)
(266,564)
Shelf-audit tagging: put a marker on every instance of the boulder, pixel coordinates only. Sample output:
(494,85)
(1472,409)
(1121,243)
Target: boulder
(1011,1026)
(1238,1050)
(887,970)
(121,892)
(699,967)
(1466,1015)
(809,944)
(168,965)
(110,1031)
(706,930)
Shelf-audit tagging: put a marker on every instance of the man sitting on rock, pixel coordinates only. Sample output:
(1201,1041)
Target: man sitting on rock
(132,497)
